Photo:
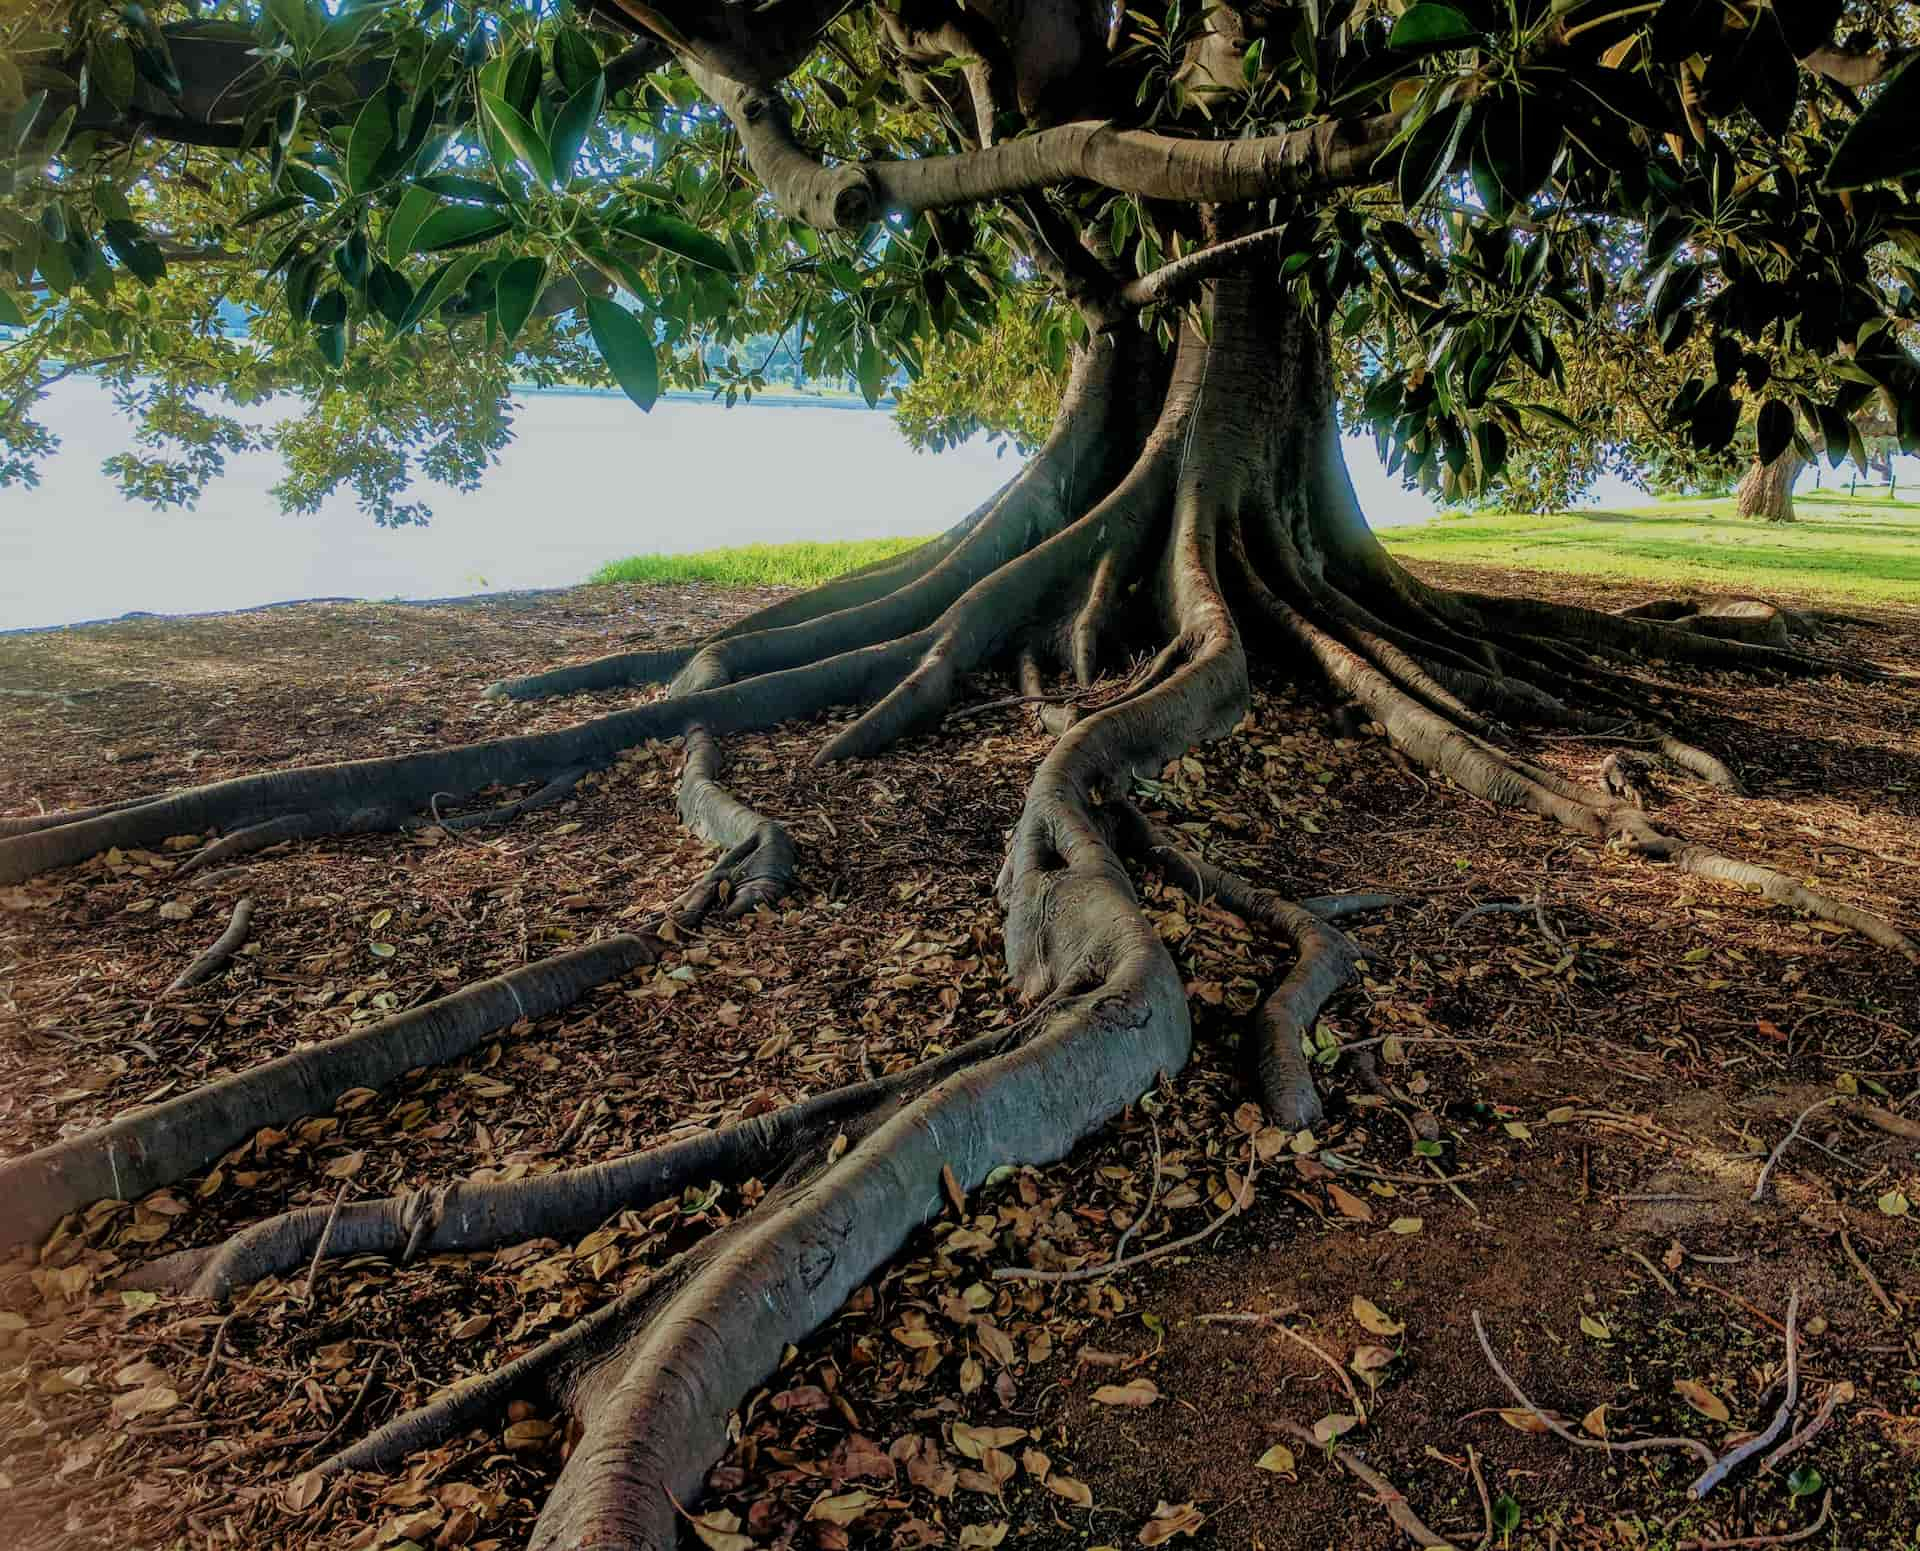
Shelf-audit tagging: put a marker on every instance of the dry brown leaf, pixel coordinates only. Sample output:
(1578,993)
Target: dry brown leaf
(978,1537)
(1701,1399)
(1347,1204)
(1371,1358)
(1595,1422)
(1278,1459)
(720,1530)
(1135,1392)
(841,1510)
(1375,1319)
(1170,1519)
(1524,1421)
(1076,1492)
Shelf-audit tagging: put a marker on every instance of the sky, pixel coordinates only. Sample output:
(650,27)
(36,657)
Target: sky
(588,479)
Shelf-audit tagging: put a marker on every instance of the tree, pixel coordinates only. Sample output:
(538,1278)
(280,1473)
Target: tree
(1217,200)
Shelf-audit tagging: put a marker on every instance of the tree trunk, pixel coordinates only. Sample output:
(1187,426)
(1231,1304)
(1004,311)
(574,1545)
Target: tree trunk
(1191,510)
(1767,489)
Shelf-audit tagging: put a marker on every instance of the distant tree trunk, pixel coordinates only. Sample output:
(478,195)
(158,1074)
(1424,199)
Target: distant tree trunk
(1767,490)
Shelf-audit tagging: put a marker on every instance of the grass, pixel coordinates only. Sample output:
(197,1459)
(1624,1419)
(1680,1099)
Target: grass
(1865,548)
(756,565)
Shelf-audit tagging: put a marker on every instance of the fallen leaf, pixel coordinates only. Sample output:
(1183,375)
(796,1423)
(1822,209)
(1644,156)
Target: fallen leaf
(1375,1319)
(1335,1426)
(1701,1399)
(1895,1203)
(982,1535)
(1524,1421)
(1076,1492)
(1595,1422)
(1170,1519)
(842,1510)
(1278,1459)
(1370,1358)
(1347,1204)
(720,1530)
(1405,1225)
(1135,1392)
(1595,1328)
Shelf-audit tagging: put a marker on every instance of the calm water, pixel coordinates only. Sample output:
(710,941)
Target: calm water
(587,479)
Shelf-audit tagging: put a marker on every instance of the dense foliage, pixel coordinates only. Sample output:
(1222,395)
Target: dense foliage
(1579,236)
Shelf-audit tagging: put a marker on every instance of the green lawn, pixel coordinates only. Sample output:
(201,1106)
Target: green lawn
(1866,548)
(756,565)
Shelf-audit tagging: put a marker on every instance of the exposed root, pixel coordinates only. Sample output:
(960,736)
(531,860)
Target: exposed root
(33,823)
(156,1146)
(224,947)
(1385,1493)
(556,790)
(1733,1459)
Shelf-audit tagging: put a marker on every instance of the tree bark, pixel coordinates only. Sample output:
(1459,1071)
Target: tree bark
(1767,490)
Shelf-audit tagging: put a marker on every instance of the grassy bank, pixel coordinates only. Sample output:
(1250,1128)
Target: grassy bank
(756,565)
(1865,549)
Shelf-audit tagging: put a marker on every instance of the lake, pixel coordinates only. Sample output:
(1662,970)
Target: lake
(588,479)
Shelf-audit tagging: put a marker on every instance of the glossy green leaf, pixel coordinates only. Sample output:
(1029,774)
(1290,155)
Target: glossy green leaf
(448,280)
(521,137)
(1774,432)
(373,134)
(10,314)
(574,60)
(454,226)
(677,236)
(515,295)
(452,185)
(1884,141)
(1430,151)
(1431,25)
(572,125)
(390,294)
(626,346)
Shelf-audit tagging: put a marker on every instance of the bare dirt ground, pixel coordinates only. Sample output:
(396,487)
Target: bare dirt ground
(1559,1132)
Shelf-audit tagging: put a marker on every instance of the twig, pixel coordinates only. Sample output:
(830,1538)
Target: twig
(1274,1322)
(1486,1505)
(1383,1489)
(1867,1275)
(1559,1429)
(1835,1394)
(1153,1195)
(229,942)
(1760,1186)
(347,1416)
(1652,1270)
(213,1356)
(1534,907)
(1826,1507)
(1734,1458)
(1108,1268)
(1342,1165)
(326,1233)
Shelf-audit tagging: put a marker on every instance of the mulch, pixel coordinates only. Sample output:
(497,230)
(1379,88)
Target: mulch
(1606,1097)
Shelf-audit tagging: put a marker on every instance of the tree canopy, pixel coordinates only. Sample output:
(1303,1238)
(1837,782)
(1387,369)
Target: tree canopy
(416,202)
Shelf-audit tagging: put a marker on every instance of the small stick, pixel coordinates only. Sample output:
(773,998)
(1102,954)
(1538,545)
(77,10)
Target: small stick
(346,1419)
(326,1233)
(1108,1268)
(1734,1458)
(1835,1394)
(1760,1186)
(1633,1445)
(1652,1270)
(1871,1280)
(1274,1322)
(1389,1497)
(1826,1507)
(213,1356)
(1153,1195)
(1486,1505)
(224,948)
(1341,1165)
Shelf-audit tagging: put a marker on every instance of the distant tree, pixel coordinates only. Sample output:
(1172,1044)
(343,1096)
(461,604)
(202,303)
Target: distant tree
(416,201)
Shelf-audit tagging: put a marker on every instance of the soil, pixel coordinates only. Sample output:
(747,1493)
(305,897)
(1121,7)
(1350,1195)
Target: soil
(1605,1094)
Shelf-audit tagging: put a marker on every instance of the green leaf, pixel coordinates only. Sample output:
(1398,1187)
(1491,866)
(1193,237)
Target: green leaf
(626,346)
(1430,152)
(1506,1514)
(452,186)
(1884,142)
(110,67)
(450,278)
(516,293)
(1774,431)
(574,60)
(454,226)
(269,210)
(10,314)
(677,236)
(373,133)
(1805,1481)
(872,372)
(390,293)
(1429,26)
(311,184)
(331,338)
(571,126)
(521,136)
(404,224)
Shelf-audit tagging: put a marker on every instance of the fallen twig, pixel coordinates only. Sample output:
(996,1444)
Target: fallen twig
(213,1356)
(1652,1270)
(1836,1393)
(1826,1507)
(1108,1268)
(326,1233)
(1343,1165)
(1275,1322)
(1867,1275)
(1760,1185)
(1534,907)
(1384,1490)
(1153,1195)
(1734,1458)
(229,942)
(1559,1429)
(1486,1503)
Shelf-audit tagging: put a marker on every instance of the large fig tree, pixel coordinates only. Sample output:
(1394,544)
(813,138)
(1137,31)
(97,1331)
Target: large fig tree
(1203,216)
